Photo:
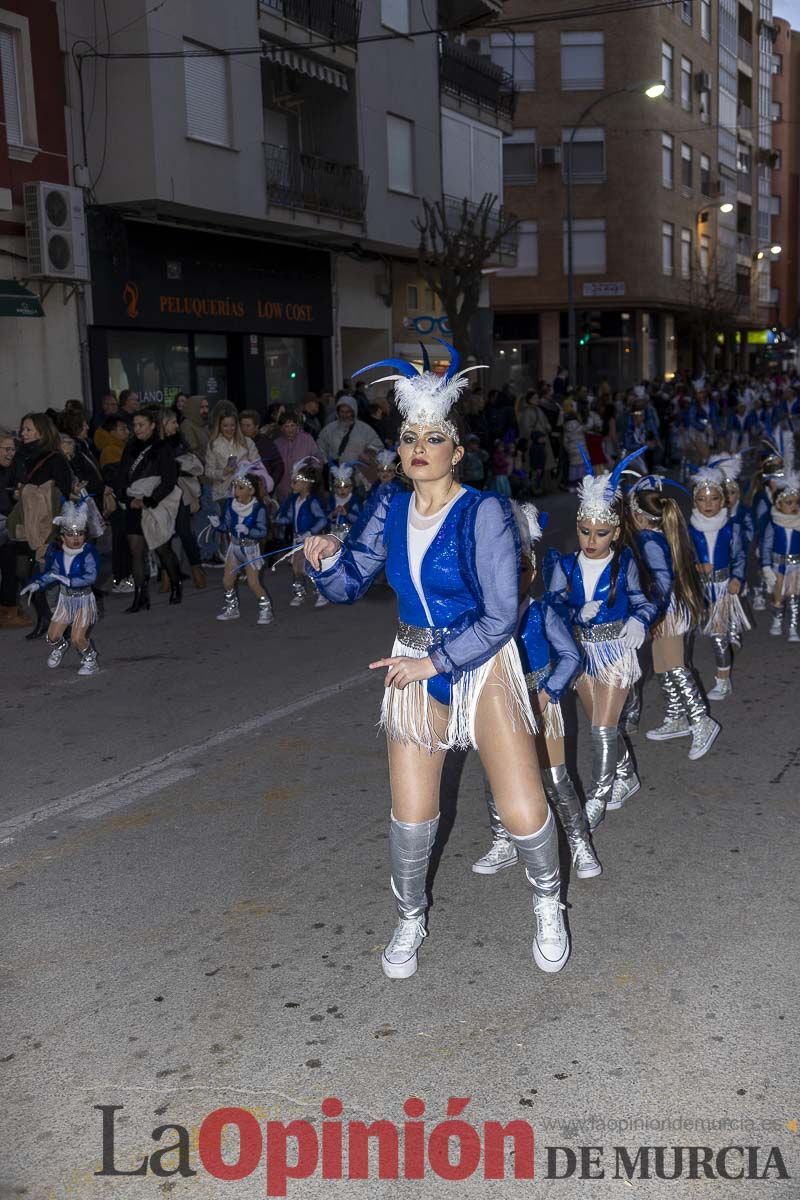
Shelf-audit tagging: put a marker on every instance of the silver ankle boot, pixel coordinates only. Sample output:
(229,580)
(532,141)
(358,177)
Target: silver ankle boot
(265,614)
(560,791)
(230,607)
(89,664)
(410,845)
(604,762)
(626,781)
(776,628)
(704,729)
(793,604)
(539,853)
(502,853)
(675,724)
(298,594)
(58,649)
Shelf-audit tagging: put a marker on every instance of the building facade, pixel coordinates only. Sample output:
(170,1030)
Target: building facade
(786,178)
(40,353)
(656,260)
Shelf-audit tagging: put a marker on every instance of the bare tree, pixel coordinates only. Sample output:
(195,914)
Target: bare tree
(713,304)
(456,241)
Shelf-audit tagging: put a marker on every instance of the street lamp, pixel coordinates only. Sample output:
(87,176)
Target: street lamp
(652,91)
(762,252)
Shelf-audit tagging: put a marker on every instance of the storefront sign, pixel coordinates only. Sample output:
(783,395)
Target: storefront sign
(600,290)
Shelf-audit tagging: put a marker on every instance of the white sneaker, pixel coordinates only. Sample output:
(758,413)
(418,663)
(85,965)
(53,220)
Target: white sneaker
(722,689)
(776,628)
(399,959)
(550,942)
(320,601)
(265,614)
(758,603)
(794,636)
(584,860)
(56,655)
(297,601)
(501,854)
(122,586)
(679,727)
(704,733)
(622,790)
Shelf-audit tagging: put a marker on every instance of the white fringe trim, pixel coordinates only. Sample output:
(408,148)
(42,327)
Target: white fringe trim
(612,663)
(791,580)
(75,610)
(553,721)
(676,621)
(725,613)
(407,715)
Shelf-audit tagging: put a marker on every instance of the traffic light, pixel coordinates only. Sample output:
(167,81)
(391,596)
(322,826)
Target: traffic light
(586,332)
(293,374)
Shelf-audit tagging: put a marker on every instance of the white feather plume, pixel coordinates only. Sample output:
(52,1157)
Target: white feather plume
(386,459)
(527,518)
(730,465)
(72,516)
(708,477)
(427,399)
(595,499)
(342,474)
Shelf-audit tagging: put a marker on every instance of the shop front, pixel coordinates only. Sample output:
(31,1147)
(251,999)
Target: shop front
(232,318)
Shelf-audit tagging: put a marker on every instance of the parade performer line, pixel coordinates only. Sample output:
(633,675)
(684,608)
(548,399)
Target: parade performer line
(122,790)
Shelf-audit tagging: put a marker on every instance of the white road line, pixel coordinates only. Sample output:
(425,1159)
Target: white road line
(150,777)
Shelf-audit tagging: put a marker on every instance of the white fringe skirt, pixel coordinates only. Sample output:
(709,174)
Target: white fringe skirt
(725,611)
(607,658)
(552,716)
(407,713)
(75,606)
(677,621)
(790,580)
(242,555)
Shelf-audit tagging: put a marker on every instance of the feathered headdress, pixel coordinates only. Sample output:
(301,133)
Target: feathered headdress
(707,479)
(386,459)
(243,469)
(423,398)
(530,523)
(789,478)
(649,483)
(597,494)
(74,517)
(306,469)
(730,466)
(342,474)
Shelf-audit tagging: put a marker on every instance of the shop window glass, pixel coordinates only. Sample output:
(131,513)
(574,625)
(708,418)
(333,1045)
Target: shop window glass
(286,370)
(156,365)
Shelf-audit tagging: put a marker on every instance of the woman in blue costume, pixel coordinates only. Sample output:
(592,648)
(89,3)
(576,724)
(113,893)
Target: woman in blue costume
(598,587)
(454,678)
(550,660)
(663,544)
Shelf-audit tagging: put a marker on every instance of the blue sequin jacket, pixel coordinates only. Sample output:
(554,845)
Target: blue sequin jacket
(546,643)
(566,592)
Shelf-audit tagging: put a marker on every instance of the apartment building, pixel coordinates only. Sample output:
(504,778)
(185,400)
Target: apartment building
(39,323)
(786,178)
(653,250)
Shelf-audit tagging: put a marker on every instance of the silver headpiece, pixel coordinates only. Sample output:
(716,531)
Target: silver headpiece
(73,518)
(598,494)
(708,480)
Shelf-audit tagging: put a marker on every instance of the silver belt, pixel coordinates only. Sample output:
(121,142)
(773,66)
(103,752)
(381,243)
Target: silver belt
(789,560)
(78,591)
(419,637)
(535,679)
(718,576)
(610,632)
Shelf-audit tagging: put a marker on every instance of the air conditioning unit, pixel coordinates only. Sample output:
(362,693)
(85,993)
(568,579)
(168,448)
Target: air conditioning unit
(702,81)
(549,156)
(55,231)
(768,158)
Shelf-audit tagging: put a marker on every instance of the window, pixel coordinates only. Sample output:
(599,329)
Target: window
(588,247)
(777,64)
(705,174)
(776,110)
(743,160)
(11,100)
(775,205)
(704,104)
(515,53)
(412,297)
(207,95)
(667,172)
(395,15)
(686,11)
(667,243)
(686,254)
(705,253)
(686,84)
(587,154)
(705,19)
(528,247)
(519,156)
(686,169)
(777,160)
(472,157)
(666,68)
(400,147)
(582,61)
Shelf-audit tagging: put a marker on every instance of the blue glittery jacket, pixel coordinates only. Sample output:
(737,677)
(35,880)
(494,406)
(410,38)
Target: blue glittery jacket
(567,592)
(352,511)
(728,549)
(657,557)
(776,543)
(82,572)
(303,518)
(547,648)
(469,577)
(255,523)
(744,518)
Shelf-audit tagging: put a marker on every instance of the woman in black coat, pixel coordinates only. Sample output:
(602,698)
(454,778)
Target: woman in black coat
(146,455)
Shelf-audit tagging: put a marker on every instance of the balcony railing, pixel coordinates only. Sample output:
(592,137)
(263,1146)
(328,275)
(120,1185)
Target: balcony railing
(314,184)
(744,242)
(472,77)
(338,20)
(744,117)
(507,249)
(746,51)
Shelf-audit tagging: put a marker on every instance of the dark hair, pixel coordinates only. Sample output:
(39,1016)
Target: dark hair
(109,424)
(616,554)
(73,421)
(290,416)
(250,414)
(46,429)
(257,485)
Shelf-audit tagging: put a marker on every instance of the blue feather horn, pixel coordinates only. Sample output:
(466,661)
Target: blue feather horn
(399,364)
(587,462)
(455,358)
(620,467)
(426,362)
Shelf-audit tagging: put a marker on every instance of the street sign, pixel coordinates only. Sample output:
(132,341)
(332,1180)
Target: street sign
(600,290)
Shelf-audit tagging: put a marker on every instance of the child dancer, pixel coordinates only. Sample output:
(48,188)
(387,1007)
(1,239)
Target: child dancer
(303,513)
(780,554)
(244,519)
(666,550)
(721,564)
(550,660)
(343,505)
(73,563)
(763,490)
(599,587)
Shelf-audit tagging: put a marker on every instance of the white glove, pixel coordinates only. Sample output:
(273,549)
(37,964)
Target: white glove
(241,528)
(27,591)
(589,611)
(214,522)
(62,579)
(769,576)
(633,634)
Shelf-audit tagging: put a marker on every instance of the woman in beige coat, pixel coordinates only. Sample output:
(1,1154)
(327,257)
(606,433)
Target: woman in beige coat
(227,447)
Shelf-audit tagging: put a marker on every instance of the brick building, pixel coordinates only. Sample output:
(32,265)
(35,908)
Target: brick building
(786,177)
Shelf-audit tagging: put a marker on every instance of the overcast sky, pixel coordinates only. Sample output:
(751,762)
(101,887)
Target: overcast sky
(789,10)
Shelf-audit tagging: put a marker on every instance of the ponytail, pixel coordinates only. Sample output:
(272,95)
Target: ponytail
(686,582)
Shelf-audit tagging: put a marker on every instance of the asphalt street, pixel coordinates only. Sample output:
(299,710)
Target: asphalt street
(193,860)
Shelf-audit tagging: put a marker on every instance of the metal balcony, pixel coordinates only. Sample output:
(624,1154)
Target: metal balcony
(506,253)
(745,51)
(744,117)
(471,77)
(338,20)
(314,185)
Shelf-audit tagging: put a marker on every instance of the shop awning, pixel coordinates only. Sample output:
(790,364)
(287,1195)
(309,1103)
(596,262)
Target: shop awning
(305,66)
(18,301)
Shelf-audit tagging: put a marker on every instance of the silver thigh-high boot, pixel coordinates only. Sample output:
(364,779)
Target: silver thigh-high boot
(626,781)
(539,853)
(675,724)
(704,729)
(560,791)
(410,845)
(604,764)
(776,627)
(631,713)
(502,852)
(793,605)
(723,660)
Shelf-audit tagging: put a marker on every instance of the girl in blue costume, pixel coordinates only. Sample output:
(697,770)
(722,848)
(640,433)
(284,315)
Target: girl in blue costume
(721,565)
(550,660)
(244,519)
(763,491)
(343,507)
(73,563)
(780,551)
(598,587)
(454,678)
(662,540)
(304,514)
